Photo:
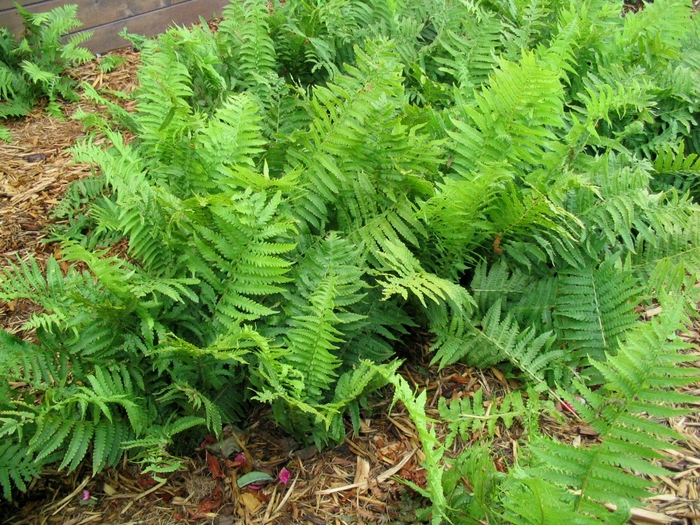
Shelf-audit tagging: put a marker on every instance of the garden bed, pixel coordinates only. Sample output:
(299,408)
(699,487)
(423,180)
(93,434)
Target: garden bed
(356,482)
(36,173)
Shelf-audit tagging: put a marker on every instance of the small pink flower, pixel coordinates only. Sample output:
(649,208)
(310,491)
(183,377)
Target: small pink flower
(85,496)
(240,458)
(284,475)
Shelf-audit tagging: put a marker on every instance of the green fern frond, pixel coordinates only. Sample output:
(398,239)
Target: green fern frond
(456,217)
(674,169)
(26,280)
(611,101)
(164,116)
(654,35)
(469,50)
(238,247)
(244,37)
(331,284)
(40,60)
(373,337)
(80,192)
(473,486)
(639,380)
(535,501)
(107,443)
(114,110)
(403,274)
(197,401)
(495,339)
(671,260)
(114,387)
(70,420)
(537,304)
(151,451)
(512,119)
(432,448)
(351,389)
(27,362)
(467,416)
(595,305)
(5,134)
(530,299)
(76,450)
(490,284)
(530,227)
(344,114)
(619,205)
(16,468)
(372,221)
(231,138)
(55,23)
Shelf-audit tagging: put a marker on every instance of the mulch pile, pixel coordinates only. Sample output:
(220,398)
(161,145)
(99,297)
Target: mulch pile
(353,483)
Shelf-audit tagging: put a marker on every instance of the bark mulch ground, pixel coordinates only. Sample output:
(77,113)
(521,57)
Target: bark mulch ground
(354,483)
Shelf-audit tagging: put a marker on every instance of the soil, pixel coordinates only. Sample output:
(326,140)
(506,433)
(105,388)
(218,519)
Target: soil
(354,483)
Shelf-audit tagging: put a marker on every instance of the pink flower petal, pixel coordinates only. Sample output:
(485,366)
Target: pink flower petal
(568,406)
(284,475)
(240,458)
(85,496)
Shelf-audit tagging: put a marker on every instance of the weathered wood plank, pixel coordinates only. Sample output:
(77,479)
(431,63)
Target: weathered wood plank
(9,4)
(91,13)
(107,17)
(106,37)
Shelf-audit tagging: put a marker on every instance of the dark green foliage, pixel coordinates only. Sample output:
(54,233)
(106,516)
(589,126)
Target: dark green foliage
(36,66)
(316,177)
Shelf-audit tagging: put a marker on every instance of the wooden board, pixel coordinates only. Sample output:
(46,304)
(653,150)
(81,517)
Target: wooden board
(106,37)
(9,4)
(91,13)
(33,5)
(108,17)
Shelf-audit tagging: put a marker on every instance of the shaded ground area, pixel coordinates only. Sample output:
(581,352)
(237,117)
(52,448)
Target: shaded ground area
(352,483)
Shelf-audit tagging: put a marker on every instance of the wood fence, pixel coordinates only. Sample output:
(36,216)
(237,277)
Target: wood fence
(106,18)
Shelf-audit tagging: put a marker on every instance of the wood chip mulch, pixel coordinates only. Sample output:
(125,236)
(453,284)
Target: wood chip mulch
(354,483)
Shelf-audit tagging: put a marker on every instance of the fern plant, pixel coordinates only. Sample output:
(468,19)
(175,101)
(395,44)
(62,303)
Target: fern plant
(555,479)
(315,178)
(37,66)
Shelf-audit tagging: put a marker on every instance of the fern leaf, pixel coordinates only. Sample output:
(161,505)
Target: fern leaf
(16,467)
(245,35)
(495,339)
(408,276)
(512,118)
(432,448)
(496,282)
(469,49)
(643,369)
(237,241)
(231,138)
(467,416)
(594,307)
(332,284)
(81,438)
